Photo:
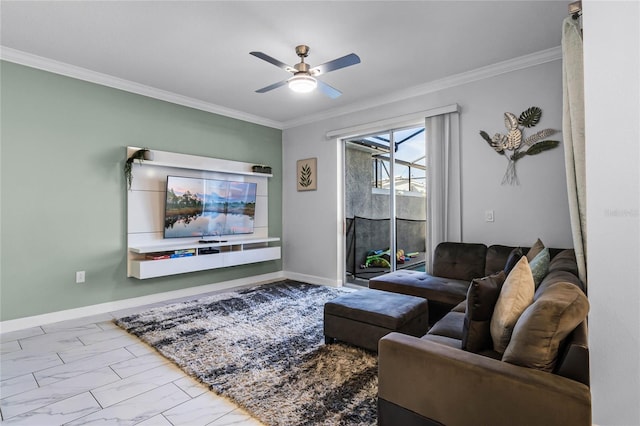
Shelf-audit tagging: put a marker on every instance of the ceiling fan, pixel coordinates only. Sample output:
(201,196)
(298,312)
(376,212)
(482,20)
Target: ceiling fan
(304,78)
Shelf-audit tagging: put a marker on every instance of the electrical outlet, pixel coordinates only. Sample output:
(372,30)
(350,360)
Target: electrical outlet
(79,277)
(488,215)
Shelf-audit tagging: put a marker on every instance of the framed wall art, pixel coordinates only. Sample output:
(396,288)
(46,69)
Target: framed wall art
(307,174)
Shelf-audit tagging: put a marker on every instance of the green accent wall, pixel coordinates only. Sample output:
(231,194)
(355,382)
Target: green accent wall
(63,193)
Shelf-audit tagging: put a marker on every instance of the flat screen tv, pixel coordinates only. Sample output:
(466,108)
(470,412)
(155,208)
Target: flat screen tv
(197,207)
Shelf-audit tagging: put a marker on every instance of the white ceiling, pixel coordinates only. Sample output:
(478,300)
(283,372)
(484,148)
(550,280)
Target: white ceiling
(200,50)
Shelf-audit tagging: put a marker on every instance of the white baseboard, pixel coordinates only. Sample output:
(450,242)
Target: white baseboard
(102,308)
(312,279)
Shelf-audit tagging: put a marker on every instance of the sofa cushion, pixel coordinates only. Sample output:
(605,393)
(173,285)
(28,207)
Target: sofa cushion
(449,326)
(513,258)
(460,307)
(497,256)
(515,296)
(556,277)
(443,340)
(481,300)
(544,325)
(536,248)
(459,261)
(540,266)
(564,261)
(443,290)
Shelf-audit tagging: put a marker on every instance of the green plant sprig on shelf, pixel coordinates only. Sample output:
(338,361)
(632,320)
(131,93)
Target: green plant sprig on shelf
(128,165)
(513,140)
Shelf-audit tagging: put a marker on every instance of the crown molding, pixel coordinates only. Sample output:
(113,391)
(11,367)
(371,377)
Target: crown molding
(515,64)
(521,62)
(57,67)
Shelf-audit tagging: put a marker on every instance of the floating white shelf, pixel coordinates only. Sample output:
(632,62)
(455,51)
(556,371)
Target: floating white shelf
(185,245)
(194,162)
(229,253)
(164,164)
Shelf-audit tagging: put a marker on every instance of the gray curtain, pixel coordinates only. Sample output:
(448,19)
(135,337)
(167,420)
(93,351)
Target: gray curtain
(573,136)
(443,182)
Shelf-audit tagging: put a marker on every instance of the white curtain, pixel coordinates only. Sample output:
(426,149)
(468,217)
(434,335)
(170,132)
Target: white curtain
(443,182)
(573,136)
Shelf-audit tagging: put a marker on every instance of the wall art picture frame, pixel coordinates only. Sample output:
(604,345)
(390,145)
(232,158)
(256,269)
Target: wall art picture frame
(307,174)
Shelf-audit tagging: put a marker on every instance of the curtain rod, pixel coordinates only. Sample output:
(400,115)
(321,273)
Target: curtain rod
(391,123)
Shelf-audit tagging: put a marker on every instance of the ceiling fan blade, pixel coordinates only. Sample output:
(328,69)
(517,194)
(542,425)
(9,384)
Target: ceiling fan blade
(336,64)
(331,92)
(272,86)
(273,61)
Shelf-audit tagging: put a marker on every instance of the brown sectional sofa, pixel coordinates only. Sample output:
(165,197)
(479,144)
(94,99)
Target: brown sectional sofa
(432,381)
(454,266)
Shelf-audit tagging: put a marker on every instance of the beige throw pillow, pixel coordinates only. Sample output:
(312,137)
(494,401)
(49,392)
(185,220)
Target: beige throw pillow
(544,325)
(516,295)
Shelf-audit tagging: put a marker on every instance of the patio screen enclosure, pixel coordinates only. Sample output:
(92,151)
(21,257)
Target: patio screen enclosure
(385,179)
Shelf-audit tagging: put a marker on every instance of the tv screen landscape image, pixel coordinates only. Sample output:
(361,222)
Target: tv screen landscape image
(197,207)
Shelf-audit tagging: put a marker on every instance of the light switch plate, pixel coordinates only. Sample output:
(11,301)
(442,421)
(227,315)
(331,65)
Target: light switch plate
(488,215)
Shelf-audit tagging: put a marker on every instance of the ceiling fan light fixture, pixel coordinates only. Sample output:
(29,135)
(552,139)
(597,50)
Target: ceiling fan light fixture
(302,83)
(303,80)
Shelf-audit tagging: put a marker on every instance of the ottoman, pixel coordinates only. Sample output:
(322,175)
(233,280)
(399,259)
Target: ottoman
(443,293)
(365,316)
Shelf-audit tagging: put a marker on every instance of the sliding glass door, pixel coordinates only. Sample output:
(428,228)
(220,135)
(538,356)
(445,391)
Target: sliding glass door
(385,203)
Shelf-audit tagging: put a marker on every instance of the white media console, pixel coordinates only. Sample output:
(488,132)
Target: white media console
(149,254)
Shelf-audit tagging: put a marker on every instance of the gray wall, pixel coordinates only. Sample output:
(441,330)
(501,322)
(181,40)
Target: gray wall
(63,191)
(537,208)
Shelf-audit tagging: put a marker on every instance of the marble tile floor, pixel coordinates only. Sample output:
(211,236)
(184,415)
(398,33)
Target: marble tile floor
(88,371)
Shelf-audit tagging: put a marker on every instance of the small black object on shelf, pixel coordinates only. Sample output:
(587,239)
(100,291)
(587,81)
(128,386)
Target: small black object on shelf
(209,250)
(258,168)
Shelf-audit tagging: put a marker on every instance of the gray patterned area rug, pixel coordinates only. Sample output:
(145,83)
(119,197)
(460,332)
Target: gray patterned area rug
(264,349)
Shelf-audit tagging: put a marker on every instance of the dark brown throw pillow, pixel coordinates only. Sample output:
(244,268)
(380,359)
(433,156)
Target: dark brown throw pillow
(513,258)
(481,299)
(536,248)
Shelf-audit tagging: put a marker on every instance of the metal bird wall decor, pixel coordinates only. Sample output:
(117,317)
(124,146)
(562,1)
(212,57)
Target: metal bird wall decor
(513,140)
